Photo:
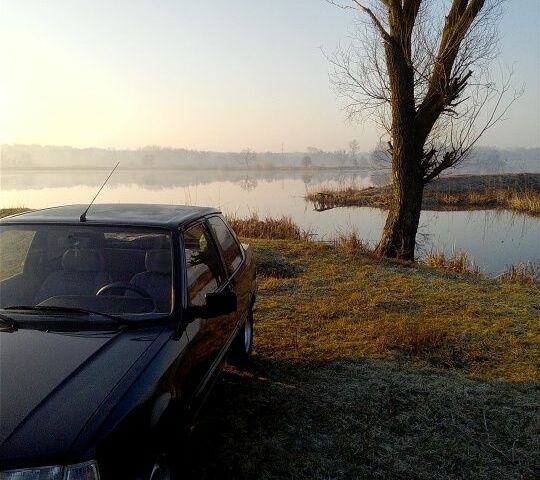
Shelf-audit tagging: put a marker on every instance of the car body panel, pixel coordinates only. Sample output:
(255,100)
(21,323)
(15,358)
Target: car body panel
(59,393)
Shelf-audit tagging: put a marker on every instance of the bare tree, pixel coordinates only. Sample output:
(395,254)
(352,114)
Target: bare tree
(306,161)
(247,157)
(425,77)
(354,148)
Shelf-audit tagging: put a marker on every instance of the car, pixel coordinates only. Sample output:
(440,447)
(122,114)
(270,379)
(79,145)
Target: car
(113,328)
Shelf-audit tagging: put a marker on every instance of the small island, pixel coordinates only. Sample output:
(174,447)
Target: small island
(518,192)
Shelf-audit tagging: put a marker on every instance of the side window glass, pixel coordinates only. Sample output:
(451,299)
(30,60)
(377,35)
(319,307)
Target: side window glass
(203,265)
(14,245)
(229,245)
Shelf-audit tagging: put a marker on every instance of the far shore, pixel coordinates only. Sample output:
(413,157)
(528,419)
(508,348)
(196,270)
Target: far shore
(250,168)
(517,192)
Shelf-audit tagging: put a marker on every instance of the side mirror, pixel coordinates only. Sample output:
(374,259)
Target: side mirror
(217,303)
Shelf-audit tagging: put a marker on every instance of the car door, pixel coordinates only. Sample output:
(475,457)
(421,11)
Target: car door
(233,258)
(204,273)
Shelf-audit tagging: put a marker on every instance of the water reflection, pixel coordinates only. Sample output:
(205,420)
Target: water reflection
(494,239)
(163,179)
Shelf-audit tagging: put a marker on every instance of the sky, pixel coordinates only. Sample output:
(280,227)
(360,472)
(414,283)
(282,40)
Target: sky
(219,75)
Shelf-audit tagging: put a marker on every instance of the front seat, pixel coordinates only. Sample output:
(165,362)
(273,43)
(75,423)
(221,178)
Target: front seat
(82,273)
(157,279)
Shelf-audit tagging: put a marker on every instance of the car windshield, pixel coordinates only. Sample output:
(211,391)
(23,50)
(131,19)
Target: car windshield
(113,271)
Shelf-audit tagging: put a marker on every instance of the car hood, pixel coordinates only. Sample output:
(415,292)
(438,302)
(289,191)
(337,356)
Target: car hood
(52,382)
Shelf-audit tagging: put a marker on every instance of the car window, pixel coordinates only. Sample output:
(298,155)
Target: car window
(68,265)
(203,265)
(14,246)
(231,250)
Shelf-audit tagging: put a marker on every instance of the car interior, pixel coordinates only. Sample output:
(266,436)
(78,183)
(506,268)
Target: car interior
(69,268)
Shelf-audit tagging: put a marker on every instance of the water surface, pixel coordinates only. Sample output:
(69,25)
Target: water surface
(494,239)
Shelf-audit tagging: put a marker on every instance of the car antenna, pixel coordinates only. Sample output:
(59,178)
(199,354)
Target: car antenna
(82,218)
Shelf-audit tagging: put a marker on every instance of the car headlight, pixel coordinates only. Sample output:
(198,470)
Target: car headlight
(80,471)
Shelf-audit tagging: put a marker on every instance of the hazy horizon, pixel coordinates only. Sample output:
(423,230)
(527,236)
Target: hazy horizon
(304,150)
(215,76)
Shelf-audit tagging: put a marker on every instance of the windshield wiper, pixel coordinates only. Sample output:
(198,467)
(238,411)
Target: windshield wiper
(53,308)
(7,324)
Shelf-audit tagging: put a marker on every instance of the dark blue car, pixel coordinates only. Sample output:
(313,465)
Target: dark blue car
(112,330)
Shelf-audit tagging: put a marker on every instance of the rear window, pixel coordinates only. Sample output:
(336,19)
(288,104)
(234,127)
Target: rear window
(230,247)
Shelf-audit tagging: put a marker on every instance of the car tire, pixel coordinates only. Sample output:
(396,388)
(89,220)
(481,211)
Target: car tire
(243,343)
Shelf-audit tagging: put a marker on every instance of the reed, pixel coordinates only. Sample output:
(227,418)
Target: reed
(456,262)
(521,200)
(524,273)
(282,228)
(351,242)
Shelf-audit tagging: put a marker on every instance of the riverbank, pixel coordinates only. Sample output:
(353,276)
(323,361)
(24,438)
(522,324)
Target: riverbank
(370,369)
(517,192)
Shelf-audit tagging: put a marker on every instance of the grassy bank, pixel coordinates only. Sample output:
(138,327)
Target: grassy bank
(517,192)
(368,369)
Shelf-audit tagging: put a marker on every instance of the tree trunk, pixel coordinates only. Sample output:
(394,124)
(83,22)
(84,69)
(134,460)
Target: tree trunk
(399,234)
(398,238)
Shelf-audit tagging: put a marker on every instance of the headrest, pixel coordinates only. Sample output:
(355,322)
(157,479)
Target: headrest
(158,261)
(82,260)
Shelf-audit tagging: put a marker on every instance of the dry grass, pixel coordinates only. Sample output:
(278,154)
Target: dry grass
(350,196)
(352,243)
(274,228)
(523,273)
(365,369)
(414,338)
(456,262)
(526,200)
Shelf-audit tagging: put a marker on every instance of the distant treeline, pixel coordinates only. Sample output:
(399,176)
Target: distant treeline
(483,160)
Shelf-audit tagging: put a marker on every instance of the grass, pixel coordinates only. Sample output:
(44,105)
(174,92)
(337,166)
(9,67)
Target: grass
(456,262)
(276,228)
(369,369)
(520,193)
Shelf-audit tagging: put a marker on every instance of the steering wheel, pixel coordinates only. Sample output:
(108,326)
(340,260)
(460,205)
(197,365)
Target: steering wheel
(125,286)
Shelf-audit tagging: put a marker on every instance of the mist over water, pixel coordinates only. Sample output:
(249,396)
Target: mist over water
(494,239)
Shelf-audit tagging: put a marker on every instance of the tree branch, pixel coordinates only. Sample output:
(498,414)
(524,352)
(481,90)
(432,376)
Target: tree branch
(378,25)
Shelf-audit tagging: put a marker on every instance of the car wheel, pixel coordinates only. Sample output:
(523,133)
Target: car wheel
(243,343)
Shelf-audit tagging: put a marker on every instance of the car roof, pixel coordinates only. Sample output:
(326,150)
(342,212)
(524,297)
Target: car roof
(138,214)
